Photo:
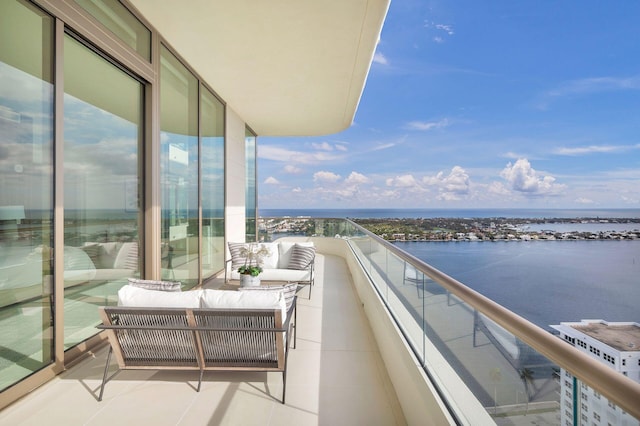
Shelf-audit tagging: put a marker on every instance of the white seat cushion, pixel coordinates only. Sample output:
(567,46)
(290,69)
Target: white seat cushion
(279,275)
(129,295)
(225,299)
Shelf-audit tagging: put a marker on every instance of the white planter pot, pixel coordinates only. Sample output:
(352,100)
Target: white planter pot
(249,281)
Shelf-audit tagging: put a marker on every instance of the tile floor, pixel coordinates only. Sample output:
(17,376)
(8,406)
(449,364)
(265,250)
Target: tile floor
(335,377)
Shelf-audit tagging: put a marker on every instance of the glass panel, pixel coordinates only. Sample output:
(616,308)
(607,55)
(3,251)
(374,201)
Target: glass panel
(179,170)
(509,378)
(250,191)
(212,125)
(117,18)
(102,139)
(26,190)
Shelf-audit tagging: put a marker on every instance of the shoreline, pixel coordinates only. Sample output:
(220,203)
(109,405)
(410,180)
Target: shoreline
(496,229)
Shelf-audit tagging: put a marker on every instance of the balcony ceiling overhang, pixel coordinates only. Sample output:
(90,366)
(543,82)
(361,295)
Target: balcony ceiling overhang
(287,67)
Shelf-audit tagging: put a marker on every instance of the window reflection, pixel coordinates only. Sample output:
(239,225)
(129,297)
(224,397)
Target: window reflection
(179,170)
(102,134)
(251,195)
(212,165)
(26,181)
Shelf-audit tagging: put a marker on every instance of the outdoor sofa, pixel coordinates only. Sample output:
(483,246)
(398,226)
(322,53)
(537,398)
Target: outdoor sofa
(286,262)
(200,330)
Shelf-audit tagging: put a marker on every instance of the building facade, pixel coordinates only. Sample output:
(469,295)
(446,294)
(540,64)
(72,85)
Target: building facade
(616,345)
(128,147)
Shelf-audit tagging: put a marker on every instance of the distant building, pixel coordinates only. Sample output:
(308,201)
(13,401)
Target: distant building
(616,344)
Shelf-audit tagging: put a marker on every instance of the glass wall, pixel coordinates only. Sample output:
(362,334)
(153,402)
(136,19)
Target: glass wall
(102,175)
(251,186)
(99,181)
(26,194)
(179,170)
(212,172)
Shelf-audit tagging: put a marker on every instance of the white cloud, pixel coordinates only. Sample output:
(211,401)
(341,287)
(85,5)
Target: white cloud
(277,153)
(446,28)
(587,86)
(451,187)
(324,146)
(271,181)
(521,177)
(497,188)
(379,58)
(357,178)
(404,181)
(629,200)
(427,125)
(341,147)
(440,28)
(583,200)
(512,155)
(293,170)
(296,190)
(325,177)
(383,146)
(583,150)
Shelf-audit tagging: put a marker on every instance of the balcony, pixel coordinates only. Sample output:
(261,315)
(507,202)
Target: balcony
(385,339)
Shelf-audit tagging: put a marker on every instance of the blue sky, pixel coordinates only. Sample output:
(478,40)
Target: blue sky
(472,104)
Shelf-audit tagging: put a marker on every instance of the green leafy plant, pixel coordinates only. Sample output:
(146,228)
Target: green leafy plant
(253,253)
(254,271)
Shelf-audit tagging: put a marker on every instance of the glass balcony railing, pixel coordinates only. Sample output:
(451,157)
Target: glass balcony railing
(469,345)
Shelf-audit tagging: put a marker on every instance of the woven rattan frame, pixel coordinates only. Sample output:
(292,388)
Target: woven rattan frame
(198,339)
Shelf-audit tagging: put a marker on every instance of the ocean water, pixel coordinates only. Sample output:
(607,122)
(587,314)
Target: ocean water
(546,282)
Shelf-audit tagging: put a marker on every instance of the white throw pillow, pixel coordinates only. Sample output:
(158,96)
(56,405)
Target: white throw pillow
(156,285)
(301,257)
(237,259)
(285,248)
(142,298)
(288,290)
(127,257)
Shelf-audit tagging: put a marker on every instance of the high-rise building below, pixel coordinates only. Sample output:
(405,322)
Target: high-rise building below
(616,344)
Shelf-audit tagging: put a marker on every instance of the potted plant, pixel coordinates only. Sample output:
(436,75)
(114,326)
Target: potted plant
(250,271)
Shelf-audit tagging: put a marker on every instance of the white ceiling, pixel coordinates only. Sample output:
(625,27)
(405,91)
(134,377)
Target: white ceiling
(287,67)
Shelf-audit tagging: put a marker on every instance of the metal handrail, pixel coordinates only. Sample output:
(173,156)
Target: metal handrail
(615,386)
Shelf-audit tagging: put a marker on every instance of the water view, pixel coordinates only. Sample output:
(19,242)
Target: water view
(545,281)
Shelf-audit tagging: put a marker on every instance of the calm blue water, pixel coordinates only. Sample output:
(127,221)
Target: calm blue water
(545,281)
(459,213)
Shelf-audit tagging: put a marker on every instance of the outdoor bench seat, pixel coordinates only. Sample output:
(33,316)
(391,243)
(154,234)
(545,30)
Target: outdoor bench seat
(199,339)
(287,261)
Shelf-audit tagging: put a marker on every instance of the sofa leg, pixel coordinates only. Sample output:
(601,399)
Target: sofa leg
(104,375)
(200,380)
(284,384)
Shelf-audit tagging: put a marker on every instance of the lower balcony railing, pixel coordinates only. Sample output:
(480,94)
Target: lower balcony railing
(468,344)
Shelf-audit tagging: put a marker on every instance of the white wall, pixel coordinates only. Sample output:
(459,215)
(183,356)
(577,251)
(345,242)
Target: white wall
(235,177)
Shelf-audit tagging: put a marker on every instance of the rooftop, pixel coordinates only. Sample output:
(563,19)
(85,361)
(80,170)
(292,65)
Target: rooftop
(621,336)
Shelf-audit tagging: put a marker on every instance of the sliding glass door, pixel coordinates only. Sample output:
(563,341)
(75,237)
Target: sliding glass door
(179,170)
(103,129)
(26,195)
